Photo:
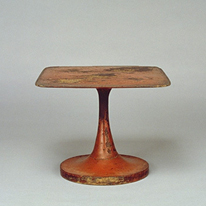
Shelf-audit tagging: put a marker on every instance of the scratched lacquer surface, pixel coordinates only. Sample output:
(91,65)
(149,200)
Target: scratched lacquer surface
(104,166)
(102,77)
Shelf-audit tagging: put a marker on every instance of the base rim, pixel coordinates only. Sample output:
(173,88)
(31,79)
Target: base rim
(81,169)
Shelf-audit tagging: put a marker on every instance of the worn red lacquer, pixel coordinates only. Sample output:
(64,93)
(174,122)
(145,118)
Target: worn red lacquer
(104,166)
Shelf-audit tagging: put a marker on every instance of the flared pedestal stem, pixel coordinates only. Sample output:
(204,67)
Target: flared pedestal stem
(104,146)
(104,166)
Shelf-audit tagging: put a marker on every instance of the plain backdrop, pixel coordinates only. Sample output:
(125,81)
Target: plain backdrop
(39,127)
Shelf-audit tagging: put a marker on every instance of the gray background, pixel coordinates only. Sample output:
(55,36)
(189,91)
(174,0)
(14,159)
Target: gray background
(39,128)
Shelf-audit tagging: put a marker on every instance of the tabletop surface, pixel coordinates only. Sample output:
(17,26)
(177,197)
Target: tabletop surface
(102,77)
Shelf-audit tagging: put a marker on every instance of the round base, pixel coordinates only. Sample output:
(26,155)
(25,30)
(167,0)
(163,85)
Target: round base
(121,169)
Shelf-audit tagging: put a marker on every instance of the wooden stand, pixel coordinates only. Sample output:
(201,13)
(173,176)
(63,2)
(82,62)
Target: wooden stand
(104,166)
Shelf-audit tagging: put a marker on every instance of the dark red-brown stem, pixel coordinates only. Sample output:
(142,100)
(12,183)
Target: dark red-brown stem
(104,146)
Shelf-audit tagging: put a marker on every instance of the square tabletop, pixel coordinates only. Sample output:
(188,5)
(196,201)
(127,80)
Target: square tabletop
(102,77)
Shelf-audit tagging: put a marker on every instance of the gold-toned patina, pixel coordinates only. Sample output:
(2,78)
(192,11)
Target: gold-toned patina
(102,77)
